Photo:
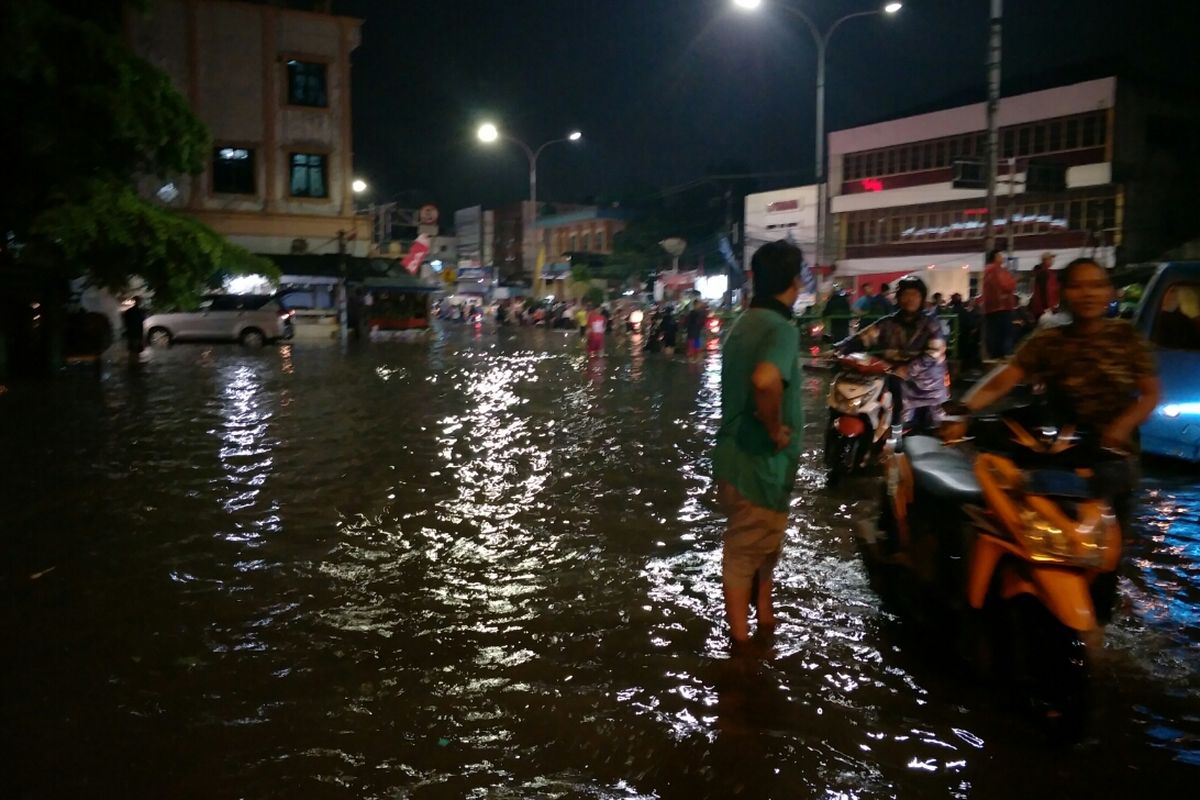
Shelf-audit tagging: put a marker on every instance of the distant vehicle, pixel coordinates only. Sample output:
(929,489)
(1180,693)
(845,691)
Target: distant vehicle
(252,319)
(1169,316)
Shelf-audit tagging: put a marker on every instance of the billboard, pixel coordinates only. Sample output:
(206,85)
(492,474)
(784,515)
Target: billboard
(468,226)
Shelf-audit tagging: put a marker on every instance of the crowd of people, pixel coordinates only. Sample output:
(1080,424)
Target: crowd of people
(990,324)
(1095,371)
(659,326)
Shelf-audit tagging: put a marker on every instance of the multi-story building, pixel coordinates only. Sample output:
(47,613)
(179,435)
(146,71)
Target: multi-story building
(781,214)
(273,86)
(582,229)
(1124,148)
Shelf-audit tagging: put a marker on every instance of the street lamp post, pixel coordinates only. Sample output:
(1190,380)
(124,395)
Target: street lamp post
(488,133)
(822,42)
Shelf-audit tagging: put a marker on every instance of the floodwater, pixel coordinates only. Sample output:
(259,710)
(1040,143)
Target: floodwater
(485,566)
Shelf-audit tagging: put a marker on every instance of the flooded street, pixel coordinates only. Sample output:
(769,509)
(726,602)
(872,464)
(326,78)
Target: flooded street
(483,566)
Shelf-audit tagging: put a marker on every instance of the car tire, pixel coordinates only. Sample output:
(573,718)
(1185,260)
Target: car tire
(159,337)
(252,337)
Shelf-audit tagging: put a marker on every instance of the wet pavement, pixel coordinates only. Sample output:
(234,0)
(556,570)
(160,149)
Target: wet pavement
(485,566)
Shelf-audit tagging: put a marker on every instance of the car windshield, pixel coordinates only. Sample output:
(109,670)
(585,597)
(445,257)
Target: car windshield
(1177,323)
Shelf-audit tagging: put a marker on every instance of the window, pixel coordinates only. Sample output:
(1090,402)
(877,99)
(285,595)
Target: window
(233,170)
(1054,141)
(308,175)
(1023,141)
(890,166)
(572,240)
(939,154)
(1071,137)
(306,83)
(586,243)
(952,151)
(1039,139)
(1176,323)
(1009,146)
(1089,136)
(599,241)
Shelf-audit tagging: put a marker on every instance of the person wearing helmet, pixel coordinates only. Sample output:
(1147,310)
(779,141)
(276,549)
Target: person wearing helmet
(913,341)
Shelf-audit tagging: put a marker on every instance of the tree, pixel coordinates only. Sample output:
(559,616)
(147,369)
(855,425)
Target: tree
(93,117)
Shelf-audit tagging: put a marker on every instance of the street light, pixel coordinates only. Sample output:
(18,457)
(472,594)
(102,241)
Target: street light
(822,41)
(359,186)
(489,133)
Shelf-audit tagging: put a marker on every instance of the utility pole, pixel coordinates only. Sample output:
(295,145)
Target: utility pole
(993,104)
(342,298)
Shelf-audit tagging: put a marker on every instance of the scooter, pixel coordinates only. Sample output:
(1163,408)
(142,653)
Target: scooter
(860,415)
(1017,545)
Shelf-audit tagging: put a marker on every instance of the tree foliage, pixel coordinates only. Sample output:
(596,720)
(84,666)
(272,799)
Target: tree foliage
(90,117)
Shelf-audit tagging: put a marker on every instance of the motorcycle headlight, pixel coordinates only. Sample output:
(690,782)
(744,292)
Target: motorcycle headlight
(1082,546)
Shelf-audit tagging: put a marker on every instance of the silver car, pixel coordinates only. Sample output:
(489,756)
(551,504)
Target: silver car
(252,319)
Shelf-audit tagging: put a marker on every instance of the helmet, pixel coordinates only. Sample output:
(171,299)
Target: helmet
(912,282)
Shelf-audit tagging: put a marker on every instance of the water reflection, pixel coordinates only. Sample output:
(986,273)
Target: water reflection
(489,566)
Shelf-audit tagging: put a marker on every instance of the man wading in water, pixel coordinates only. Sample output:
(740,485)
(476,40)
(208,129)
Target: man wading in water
(758,445)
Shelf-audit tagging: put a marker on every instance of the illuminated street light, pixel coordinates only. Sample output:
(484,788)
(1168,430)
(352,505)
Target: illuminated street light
(822,42)
(359,186)
(489,133)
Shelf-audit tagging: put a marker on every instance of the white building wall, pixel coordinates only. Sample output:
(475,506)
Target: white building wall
(768,218)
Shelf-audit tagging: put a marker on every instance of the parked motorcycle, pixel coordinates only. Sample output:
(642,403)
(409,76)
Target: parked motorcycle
(1016,545)
(860,415)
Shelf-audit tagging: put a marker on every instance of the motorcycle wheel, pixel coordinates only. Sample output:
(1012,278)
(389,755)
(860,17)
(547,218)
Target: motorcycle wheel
(1049,665)
(843,460)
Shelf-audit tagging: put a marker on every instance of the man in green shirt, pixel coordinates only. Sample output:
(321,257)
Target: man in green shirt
(758,445)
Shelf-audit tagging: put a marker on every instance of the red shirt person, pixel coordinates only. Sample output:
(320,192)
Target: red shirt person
(596,325)
(1045,287)
(999,301)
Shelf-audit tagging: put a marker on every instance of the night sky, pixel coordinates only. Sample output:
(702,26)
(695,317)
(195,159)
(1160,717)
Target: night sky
(662,89)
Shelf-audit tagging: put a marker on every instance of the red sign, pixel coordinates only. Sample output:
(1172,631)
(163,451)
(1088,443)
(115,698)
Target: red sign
(416,254)
(872,185)
(783,205)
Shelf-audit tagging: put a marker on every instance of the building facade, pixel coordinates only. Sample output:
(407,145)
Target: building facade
(781,214)
(273,86)
(584,229)
(895,208)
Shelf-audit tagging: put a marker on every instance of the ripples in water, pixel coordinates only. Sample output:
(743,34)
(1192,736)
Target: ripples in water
(488,566)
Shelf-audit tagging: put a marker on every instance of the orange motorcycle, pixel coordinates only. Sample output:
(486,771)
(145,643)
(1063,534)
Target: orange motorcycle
(1017,541)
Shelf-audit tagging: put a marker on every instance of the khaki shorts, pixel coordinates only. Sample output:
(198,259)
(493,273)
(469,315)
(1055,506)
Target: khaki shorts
(753,537)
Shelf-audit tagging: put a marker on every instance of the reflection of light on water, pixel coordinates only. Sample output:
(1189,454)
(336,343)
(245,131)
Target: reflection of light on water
(245,452)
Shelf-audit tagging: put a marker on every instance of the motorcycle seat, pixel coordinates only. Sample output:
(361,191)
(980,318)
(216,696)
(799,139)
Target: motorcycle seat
(942,472)
(921,446)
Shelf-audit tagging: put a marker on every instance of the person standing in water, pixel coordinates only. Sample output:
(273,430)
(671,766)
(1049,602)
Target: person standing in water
(758,444)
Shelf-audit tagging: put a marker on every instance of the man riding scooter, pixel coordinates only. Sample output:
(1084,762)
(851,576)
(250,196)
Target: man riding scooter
(913,342)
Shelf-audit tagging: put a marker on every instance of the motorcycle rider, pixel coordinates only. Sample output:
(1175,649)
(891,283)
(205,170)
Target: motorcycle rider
(1099,374)
(913,341)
